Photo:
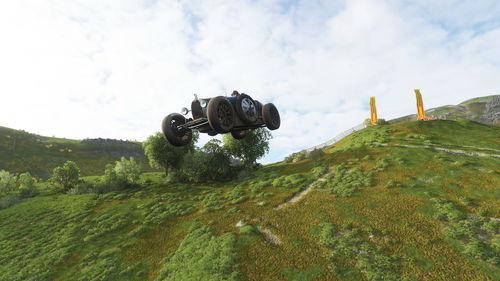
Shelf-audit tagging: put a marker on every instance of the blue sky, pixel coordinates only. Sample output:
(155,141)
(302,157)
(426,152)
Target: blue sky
(114,69)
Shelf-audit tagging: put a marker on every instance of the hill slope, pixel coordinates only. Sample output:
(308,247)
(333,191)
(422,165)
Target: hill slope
(484,110)
(408,201)
(21,151)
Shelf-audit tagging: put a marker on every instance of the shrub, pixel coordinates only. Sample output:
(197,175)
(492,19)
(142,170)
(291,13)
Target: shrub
(319,171)
(345,182)
(202,256)
(129,169)
(7,182)
(9,200)
(26,185)
(315,154)
(237,195)
(212,162)
(82,187)
(492,226)
(67,176)
(446,210)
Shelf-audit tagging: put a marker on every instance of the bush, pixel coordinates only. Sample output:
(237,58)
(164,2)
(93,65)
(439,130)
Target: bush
(345,182)
(202,256)
(210,163)
(315,154)
(123,177)
(129,169)
(26,185)
(66,177)
(319,171)
(237,195)
(9,200)
(82,187)
(7,182)
(446,210)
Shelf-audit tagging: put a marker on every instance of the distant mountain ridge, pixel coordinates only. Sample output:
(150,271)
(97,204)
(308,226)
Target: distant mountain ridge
(21,151)
(485,110)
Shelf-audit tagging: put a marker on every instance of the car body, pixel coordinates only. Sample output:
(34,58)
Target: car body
(235,114)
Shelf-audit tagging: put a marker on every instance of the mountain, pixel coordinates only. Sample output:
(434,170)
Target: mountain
(415,200)
(484,110)
(21,151)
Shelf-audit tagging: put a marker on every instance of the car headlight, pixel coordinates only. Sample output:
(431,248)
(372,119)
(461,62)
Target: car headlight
(203,103)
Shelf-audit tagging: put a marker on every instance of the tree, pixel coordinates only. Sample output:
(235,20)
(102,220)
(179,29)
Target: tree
(129,169)
(162,154)
(212,162)
(67,176)
(7,181)
(250,148)
(26,185)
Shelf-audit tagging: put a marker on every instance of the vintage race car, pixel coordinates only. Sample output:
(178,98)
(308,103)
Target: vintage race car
(219,115)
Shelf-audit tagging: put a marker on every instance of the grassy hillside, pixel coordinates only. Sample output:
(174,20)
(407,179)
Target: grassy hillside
(21,151)
(482,109)
(407,201)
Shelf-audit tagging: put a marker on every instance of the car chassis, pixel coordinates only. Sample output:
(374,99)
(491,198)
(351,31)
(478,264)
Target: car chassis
(219,115)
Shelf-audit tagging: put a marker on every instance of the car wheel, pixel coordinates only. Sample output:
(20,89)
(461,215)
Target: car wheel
(239,134)
(169,126)
(246,108)
(220,114)
(271,116)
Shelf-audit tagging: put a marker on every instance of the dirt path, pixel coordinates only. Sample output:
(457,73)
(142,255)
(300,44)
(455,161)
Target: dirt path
(299,195)
(270,237)
(452,151)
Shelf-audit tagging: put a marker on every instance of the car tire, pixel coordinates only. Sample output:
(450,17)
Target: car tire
(172,134)
(271,116)
(220,114)
(246,108)
(239,134)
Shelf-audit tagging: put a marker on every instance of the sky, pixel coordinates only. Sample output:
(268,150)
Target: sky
(113,69)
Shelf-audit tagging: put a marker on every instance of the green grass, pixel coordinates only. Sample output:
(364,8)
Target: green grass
(21,151)
(352,227)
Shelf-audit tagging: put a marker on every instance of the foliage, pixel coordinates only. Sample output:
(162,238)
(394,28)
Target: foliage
(237,195)
(203,256)
(9,200)
(345,182)
(304,154)
(371,260)
(124,174)
(67,176)
(252,147)
(50,224)
(210,163)
(162,154)
(129,169)
(26,185)
(7,182)
(446,210)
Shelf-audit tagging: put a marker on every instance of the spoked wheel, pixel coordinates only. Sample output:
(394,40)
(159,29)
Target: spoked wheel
(172,133)
(271,116)
(246,108)
(220,114)
(239,134)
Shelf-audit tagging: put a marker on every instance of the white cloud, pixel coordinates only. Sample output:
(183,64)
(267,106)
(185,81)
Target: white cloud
(81,69)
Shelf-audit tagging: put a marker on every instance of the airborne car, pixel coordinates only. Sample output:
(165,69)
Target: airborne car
(219,115)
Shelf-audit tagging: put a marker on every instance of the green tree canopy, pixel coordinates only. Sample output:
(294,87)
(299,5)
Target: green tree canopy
(67,176)
(162,154)
(250,148)
(129,169)
(212,162)
(7,181)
